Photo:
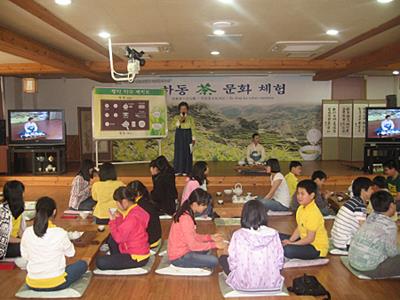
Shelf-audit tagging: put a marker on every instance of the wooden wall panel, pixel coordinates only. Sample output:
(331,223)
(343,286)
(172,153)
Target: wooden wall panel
(73,153)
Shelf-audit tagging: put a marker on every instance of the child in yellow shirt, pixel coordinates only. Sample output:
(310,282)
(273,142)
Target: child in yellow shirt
(103,191)
(310,239)
(295,169)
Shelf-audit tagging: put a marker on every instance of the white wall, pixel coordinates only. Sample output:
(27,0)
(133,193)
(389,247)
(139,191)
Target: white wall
(67,94)
(380,86)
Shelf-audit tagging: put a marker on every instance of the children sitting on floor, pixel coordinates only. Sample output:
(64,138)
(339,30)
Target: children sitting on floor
(129,241)
(373,249)
(393,181)
(352,213)
(198,179)
(186,248)
(278,197)
(255,252)
(45,246)
(295,169)
(310,239)
(12,223)
(321,198)
(80,197)
(141,196)
(164,193)
(380,184)
(103,191)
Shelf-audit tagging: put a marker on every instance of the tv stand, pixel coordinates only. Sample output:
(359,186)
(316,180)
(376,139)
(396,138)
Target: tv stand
(375,154)
(38,160)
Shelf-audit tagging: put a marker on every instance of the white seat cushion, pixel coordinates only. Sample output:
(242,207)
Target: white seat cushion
(203,218)
(157,249)
(340,252)
(76,290)
(229,292)
(279,213)
(163,249)
(76,212)
(358,274)
(133,271)
(165,268)
(298,263)
(227,221)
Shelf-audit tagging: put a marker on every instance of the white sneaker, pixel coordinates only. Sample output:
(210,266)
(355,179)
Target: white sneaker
(104,248)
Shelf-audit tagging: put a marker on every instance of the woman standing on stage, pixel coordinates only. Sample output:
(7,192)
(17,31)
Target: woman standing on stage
(184,140)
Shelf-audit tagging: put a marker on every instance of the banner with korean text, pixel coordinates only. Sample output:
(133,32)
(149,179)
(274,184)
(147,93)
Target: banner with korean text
(228,109)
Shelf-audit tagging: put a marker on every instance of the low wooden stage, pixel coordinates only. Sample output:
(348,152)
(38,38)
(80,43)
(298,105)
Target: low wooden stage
(221,174)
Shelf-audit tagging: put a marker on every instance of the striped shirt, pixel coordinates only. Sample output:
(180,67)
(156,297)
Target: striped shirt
(373,243)
(347,222)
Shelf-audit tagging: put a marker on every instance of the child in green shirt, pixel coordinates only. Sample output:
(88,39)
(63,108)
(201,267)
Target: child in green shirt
(373,249)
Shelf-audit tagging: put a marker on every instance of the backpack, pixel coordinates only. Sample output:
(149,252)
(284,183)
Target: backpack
(308,285)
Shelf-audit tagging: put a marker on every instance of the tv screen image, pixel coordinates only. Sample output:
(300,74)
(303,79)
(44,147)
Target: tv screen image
(44,126)
(383,124)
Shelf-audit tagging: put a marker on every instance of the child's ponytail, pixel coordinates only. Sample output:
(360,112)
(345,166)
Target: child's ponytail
(45,207)
(199,196)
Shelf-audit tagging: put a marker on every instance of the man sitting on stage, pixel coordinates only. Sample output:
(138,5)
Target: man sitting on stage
(255,151)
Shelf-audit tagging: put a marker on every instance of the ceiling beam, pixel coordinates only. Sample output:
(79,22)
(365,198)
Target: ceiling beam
(16,44)
(182,65)
(390,67)
(362,37)
(387,55)
(27,68)
(46,16)
(225,65)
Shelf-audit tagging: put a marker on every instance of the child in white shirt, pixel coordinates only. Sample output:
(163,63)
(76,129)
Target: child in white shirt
(45,246)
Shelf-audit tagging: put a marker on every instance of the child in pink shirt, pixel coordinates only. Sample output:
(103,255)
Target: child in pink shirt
(186,248)
(198,179)
(129,241)
(255,253)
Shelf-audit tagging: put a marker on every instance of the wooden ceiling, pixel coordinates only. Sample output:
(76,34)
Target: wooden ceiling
(42,38)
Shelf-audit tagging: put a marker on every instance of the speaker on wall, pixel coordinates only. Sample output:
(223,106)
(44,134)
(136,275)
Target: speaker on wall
(391,101)
(3,134)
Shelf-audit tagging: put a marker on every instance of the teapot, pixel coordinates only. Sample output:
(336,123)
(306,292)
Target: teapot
(238,189)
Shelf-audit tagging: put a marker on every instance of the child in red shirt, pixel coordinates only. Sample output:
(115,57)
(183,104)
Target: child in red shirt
(129,241)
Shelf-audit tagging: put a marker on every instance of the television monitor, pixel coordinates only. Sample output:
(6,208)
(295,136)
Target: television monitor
(382,125)
(36,127)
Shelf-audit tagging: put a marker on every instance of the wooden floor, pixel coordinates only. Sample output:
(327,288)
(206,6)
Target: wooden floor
(340,283)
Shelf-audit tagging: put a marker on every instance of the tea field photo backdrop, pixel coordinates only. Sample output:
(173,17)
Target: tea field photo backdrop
(229,109)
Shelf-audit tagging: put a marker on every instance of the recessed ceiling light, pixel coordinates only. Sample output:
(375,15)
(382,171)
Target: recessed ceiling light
(332,32)
(214,52)
(219,32)
(384,1)
(63,2)
(222,24)
(104,34)
(396,72)
(226,1)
